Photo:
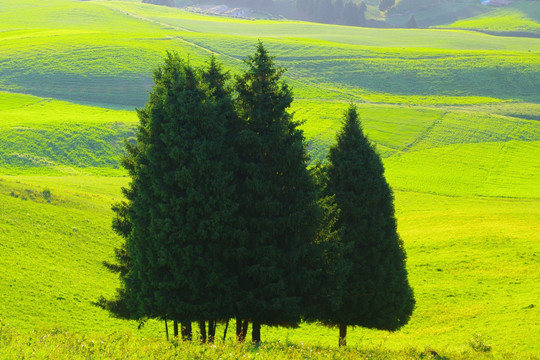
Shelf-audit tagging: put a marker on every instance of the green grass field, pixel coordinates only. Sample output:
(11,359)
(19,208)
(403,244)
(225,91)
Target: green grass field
(472,261)
(522,16)
(454,114)
(519,17)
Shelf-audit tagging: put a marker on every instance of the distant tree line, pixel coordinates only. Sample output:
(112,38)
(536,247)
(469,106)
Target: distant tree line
(255,4)
(334,11)
(386,5)
(169,3)
(223,220)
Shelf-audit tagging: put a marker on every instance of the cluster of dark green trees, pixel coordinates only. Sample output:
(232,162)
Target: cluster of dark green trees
(334,11)
(386,5)
(223,220)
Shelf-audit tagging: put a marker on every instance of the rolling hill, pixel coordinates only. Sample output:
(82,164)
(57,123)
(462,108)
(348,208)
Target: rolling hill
(454,114)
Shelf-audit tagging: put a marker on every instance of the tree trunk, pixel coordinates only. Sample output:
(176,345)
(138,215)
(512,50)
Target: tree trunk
(211,330)
(186,331)
(245,327)
(256,333)
(202,330)
(166,329)
(239,336)
(175,328)
(342,335)
(225,331)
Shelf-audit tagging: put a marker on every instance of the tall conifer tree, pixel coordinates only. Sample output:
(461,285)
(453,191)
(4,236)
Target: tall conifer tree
(412,24)
(350,14)
(121,224)
(278,200)
(338,11)
(181,214)
(376,291)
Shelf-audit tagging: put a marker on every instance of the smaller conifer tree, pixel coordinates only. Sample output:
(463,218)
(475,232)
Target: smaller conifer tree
(375,290)
(411,24)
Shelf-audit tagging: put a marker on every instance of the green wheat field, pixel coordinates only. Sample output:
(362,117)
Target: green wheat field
(454,113)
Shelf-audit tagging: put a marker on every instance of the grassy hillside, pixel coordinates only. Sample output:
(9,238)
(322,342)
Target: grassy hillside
(52,247)
(79,60)
(522,16)
(457,247)
(41,134)
(495,153)
(454,114)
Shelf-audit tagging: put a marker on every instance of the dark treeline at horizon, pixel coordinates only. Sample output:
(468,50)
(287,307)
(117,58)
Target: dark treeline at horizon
(334,11)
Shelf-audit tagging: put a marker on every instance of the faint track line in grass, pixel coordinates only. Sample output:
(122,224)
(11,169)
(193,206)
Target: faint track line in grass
(207,49)
(236,58)
(424,134)
(177,37)
(294,76)
(497,164)
(138,17)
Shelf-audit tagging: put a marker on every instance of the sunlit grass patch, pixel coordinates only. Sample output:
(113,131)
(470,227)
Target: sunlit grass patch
(507,169)
(522,16)
(46,133)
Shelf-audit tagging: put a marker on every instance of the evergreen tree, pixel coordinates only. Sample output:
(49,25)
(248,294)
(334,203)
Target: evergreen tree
(181,211)
(325,11)
(363,6)
(121,224)
(267,4)
(386,5)
(411,24)
(338,11)
(117,305)
(311,6)
(361,16)
(350,14)
(278,200)
(361,11)
(375,292)
(329,254)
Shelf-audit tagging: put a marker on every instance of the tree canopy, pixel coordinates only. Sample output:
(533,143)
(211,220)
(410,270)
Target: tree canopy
(278,199)
(375,290)
(222,218)
(181,213)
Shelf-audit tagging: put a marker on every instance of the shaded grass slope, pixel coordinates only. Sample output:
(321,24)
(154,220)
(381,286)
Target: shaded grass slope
(44,133)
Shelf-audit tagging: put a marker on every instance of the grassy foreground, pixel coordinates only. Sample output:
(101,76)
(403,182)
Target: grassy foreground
(57,344)
(472,262)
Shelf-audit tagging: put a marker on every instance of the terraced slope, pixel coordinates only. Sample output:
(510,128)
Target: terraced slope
(45,134)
